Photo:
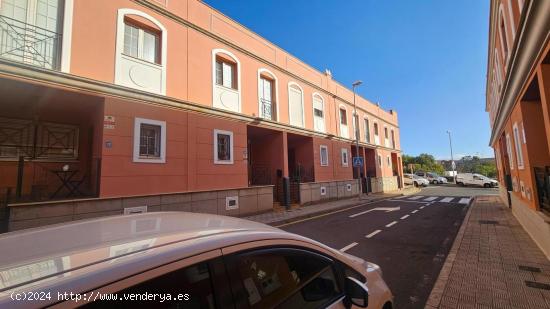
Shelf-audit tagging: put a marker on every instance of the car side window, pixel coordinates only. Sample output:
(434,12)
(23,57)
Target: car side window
(283,278)
(189,287)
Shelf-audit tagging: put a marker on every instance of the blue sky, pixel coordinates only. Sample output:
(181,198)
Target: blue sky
(426,59)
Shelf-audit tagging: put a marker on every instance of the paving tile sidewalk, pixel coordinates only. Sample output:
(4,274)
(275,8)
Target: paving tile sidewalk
(491,263)
(303,212)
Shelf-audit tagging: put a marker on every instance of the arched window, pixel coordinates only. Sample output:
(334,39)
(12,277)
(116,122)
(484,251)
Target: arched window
(376,135)
(356,126)
(367,129)
(318,113)
(226,80)
(343,116)
(296,105)
(503,32)
(140,52)
(268,95)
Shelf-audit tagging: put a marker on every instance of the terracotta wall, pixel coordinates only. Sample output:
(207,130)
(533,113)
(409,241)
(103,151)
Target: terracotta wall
(189,153)
(189,59)
(335,170)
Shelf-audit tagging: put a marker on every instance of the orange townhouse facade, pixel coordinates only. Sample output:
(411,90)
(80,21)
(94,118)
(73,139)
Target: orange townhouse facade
(125,106)
(518,103)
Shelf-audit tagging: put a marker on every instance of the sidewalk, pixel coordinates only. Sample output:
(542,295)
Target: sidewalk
(303,212)
(493,264)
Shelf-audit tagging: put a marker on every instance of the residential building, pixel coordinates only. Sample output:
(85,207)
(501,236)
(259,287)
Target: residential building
(126,105)
(518,102)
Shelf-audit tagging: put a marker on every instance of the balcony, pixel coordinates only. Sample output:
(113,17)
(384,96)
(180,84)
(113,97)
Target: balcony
(26,43)
(267,108)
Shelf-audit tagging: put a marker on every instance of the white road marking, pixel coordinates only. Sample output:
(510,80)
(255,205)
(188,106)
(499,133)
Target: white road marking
(404,217)
(414,211)
(386,209)
(447,200)
(464,200)
(399,197)
(421,207)
(346,248)
(405,201)
(416,197)
(431,198)
(373,233)
(391,224)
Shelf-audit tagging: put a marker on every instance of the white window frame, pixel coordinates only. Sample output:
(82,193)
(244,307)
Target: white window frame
(275,88)
(344,154)
(137,134)
(380,161)
(119,48)
(344,128)
(356,125)
(517,144)
(215,52)
(386,137)
(376,135)
(523,133)
(316,94)
(231,147)
(388,161)
(366,125)
(509,150)
(290,85)
(393,141)
(321,147)
(501,15)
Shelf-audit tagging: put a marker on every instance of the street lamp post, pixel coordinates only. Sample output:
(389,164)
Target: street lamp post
(452,159)
(356,128)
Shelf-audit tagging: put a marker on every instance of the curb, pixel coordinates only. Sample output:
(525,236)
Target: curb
(441,283)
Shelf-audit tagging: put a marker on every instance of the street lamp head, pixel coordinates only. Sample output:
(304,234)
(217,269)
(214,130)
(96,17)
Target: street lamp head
(356,83)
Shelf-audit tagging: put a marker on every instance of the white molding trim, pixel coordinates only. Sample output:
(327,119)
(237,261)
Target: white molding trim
(342,151)
(321,147)
(137,134)
(313,95)
(517,146)
(120,44)
(276,82)
(290,84)
(340,106)
(365,117)
(511,16)
(232,56)
(501,15)
(231,147)
(66,41)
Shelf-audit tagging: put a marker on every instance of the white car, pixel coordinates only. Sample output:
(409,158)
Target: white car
(470,179)
(435,178)
(181,260)
(415,180)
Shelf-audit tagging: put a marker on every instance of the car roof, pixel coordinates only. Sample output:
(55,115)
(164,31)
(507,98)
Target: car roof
(63,248)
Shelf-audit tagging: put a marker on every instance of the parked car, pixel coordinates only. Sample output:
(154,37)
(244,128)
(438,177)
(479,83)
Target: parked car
(467,179)
(415,180)
(435,178)
(200,260)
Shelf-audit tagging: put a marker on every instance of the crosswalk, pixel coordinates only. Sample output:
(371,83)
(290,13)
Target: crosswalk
(435,199)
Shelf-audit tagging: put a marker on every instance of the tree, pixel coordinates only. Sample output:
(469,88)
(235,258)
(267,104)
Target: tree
(424,162)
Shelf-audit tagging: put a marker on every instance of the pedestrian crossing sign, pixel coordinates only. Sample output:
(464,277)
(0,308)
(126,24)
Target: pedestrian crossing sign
(357,161)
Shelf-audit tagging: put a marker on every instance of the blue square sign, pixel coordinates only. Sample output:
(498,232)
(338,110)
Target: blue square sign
(357,161)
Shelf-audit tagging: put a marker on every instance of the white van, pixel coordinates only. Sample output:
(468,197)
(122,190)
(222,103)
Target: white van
(466,179)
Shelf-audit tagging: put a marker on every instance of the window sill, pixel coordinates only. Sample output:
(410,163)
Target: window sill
(149,160)
(145,62)
(222,162)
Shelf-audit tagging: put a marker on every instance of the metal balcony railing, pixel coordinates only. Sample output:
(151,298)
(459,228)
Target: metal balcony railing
(23,42)
(266,109)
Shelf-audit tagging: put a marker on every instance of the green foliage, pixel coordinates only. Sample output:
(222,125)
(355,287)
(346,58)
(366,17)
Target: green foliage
(424,162)
(476,165)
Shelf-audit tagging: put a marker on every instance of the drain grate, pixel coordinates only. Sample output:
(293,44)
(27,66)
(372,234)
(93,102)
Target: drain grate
(493,222)
(537,285)
(529,268)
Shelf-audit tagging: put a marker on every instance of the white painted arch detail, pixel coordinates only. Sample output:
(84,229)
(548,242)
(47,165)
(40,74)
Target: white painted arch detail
(344,130)
(316,127)
(219,91)
(276,89)
(296,86)
(121,61)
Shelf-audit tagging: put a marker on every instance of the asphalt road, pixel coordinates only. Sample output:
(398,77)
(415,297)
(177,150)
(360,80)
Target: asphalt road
(409,237)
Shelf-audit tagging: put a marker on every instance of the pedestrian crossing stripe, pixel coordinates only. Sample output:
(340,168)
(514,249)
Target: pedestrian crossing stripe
(416,197)
(447,200)
(431,198)
(464,200)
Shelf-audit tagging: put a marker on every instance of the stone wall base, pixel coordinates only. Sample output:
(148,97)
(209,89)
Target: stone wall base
(535,223)
(235,202)
(384,184)
(316,192)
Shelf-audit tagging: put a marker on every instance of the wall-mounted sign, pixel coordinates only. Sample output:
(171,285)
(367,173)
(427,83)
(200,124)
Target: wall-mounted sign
(109,122)
(108,144)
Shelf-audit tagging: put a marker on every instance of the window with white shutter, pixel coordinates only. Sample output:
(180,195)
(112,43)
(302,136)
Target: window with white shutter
(295,103)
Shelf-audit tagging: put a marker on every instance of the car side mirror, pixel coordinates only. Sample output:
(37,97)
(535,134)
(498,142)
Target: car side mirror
(357,293)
